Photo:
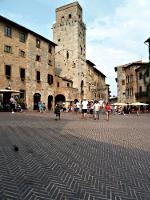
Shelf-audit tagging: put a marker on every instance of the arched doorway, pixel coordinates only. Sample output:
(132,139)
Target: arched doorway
(76,100)
(36,98)
(60,99)
(50,102)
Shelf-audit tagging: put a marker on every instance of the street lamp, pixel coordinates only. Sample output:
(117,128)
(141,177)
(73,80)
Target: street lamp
(147,71)
(147,42)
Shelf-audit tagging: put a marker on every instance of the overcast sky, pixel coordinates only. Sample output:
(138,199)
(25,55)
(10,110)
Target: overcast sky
(116,29)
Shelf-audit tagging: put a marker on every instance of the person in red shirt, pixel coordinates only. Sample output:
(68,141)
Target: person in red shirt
(107,110)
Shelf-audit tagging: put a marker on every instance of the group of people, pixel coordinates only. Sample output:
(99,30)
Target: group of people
(16,106)
(93,107)
(41,106)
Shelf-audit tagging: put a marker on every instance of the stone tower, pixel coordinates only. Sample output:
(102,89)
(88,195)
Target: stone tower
(69,33)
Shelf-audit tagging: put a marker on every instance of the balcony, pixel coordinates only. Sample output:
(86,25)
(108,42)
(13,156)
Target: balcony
(141,94)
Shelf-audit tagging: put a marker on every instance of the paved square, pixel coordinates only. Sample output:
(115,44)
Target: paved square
(74,159)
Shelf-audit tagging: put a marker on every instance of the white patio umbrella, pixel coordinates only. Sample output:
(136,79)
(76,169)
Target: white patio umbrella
(9,91)
(139,104)
(119,104)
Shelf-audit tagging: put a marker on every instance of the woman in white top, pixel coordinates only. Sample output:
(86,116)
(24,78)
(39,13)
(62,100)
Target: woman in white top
(84,108)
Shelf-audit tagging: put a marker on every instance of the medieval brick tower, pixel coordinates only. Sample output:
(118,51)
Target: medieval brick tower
(69,33)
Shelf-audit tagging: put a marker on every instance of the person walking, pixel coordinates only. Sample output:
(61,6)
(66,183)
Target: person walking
(12,104)
(84,108)
(96,110)
(107,110)
(40,106)
(57,111)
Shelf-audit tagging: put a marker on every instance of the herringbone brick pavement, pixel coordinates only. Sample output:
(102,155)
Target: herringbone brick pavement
(74,159)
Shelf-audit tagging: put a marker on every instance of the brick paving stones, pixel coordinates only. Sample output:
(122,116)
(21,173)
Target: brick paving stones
(74,159)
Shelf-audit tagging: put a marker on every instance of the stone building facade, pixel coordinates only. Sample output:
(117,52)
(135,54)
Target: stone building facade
(69,32)
(130,84)
(96,87)
(26,63)
(142,86)
(49,71)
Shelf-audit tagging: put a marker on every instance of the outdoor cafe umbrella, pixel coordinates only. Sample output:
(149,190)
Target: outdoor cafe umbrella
(119,104)
(9,91)
(138,104)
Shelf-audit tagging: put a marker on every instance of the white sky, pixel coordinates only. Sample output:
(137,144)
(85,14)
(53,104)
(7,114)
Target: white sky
(116,29)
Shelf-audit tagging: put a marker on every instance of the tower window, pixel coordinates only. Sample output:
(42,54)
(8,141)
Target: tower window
(49,62)
(81,50)
(38,58)
(70,16)
(37,43)
(38,76)
(62,18)
(50,79)
(50,48)
(67,55)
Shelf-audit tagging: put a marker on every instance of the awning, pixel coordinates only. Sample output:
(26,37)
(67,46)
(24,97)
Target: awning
(138,104)
(9,91)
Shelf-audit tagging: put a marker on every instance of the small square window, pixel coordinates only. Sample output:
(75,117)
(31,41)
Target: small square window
(123,82)
(8,49)
(21,53)
(8,31)
(22,37)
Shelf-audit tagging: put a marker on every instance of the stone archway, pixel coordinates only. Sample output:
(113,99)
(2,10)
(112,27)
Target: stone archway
(60,98)
(36,99)
(50,102)
(76,100)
